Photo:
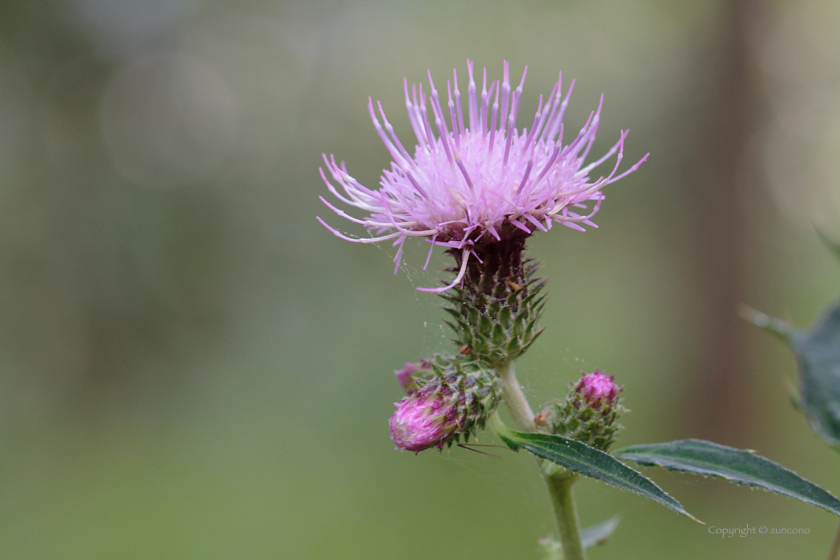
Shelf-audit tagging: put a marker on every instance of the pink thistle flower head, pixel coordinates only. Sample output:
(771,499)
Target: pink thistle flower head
(597,389)
(473,177)
(423,420)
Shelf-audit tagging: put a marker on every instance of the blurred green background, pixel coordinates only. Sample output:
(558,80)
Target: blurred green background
(193,368)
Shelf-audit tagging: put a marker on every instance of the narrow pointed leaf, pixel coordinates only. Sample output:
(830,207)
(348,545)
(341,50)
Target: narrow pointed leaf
(585,460)
(735,465)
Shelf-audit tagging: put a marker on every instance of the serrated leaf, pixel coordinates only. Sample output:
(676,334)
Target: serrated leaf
(817,353)
(735,465)
(585,460)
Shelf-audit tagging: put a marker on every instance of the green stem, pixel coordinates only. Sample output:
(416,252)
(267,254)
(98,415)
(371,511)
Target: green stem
(559,483)
(514,397)
(562,498)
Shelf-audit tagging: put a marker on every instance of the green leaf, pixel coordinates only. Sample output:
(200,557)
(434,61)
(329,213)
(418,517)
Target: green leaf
(598,534)
(817,353)
(735,465)
(588,461)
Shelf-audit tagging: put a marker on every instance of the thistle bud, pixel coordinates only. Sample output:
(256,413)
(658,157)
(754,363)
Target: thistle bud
(423,421)
(597,389)
(588,414)
(450,399)
(413,374)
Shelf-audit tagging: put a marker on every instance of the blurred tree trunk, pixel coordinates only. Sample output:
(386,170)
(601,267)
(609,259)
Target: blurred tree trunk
(726,173)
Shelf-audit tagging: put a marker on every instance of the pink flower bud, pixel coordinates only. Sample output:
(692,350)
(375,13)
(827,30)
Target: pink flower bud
(407,377)
(597,389)
(423,421)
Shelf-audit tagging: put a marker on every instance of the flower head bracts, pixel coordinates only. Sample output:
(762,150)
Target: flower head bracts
(476,176)
(447,399)
(495,313)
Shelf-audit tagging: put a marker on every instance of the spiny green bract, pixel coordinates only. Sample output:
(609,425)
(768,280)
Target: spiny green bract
(495,318)
(472,387)
(576,419)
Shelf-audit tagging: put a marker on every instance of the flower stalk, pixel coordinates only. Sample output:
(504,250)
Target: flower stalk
(565,511)
(514,398)
(559,483)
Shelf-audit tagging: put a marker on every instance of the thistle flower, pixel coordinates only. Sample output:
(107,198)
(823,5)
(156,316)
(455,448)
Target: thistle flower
(477,180)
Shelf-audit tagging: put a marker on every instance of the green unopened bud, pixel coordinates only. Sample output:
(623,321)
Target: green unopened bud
(588,414)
